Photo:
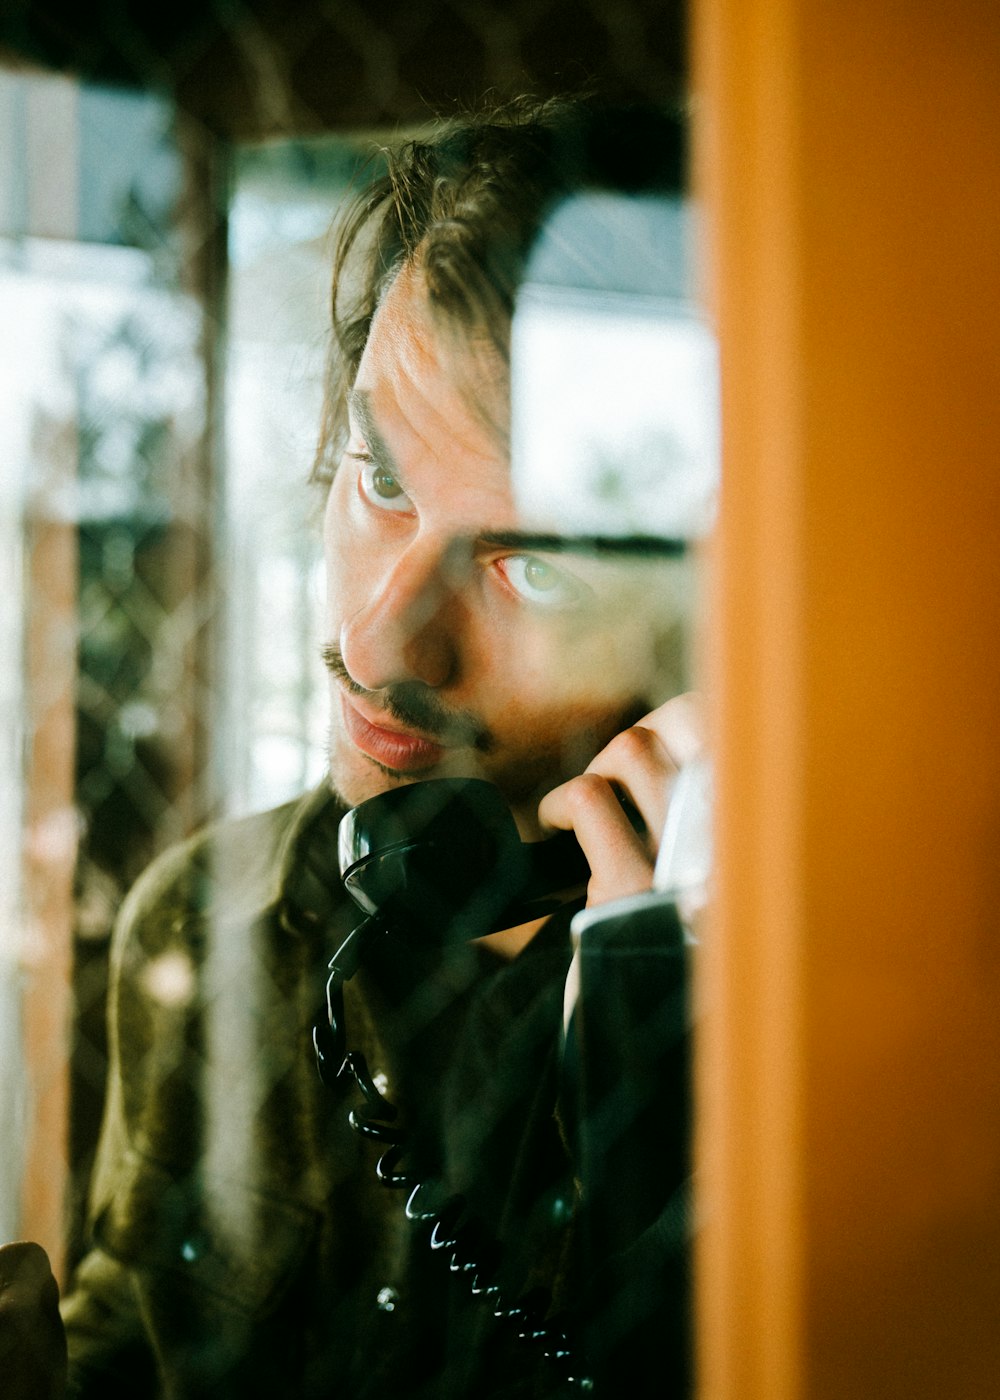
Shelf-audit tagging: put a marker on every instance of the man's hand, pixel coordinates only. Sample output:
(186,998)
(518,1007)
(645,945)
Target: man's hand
(32,1341)
(636,766)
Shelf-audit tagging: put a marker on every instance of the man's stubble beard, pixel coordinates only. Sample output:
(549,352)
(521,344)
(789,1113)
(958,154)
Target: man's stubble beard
(353,778)
(524,778)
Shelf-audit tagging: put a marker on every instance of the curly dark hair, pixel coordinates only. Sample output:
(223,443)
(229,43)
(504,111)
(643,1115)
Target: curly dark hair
(467,203)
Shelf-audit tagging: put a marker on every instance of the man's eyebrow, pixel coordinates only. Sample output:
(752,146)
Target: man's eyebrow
(360,408)
(649,546)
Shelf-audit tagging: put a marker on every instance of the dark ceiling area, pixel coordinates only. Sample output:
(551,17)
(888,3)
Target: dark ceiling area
(255,68)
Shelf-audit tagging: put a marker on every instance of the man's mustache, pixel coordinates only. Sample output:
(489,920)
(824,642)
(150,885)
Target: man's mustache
(414,704)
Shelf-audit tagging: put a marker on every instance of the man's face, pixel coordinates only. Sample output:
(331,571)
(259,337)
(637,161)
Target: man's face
(453,651)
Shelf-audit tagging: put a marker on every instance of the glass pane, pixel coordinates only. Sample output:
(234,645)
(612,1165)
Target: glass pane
(399,581)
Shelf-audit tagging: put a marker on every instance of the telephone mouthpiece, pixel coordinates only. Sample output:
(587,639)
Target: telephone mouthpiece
(443,859)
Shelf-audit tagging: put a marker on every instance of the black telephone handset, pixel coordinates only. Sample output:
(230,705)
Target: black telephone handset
(442,860)
(435,863)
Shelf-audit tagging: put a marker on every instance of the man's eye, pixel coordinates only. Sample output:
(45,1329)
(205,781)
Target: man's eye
(541,583)
(381,488)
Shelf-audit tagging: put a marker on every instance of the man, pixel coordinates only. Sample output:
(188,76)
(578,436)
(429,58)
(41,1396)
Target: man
(243,1245)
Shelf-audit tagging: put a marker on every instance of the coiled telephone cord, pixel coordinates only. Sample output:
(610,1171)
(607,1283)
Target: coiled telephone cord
(453,1234)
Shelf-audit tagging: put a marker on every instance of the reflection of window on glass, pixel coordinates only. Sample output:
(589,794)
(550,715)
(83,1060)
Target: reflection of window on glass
(615,427)
(614,412)
(102,422)
(285,199)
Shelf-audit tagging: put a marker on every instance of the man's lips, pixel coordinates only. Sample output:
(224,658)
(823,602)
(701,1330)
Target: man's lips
(393,748)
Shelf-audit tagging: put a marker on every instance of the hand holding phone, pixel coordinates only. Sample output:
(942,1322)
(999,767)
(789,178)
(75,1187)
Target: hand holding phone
(634,773)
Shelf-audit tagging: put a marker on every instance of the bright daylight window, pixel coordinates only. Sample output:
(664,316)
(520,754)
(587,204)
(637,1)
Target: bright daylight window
(102,607)
(284,201)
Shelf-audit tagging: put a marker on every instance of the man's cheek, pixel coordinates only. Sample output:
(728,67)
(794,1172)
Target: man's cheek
(337,587)
(579,679)
(549,668)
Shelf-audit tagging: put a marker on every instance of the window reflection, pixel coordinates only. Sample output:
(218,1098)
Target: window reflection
(284,203)
(103,510)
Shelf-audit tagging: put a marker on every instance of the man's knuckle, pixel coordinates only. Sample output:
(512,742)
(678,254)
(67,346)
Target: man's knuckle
(634,745)
(589,790)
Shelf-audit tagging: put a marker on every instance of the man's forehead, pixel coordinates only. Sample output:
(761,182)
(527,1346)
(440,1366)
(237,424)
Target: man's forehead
(431,360)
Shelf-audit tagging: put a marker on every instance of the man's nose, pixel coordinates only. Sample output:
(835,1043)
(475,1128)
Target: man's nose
(410,620)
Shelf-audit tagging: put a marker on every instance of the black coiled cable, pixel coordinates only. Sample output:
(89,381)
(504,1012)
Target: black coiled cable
(452,1232)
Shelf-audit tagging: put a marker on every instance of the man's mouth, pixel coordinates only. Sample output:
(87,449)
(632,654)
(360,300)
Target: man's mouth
(405,726)
(403,750)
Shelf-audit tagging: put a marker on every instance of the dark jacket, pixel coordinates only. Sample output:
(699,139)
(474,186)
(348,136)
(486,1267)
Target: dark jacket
(242,1244)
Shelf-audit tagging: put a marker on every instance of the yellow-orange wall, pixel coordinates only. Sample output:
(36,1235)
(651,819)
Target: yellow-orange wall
(848,155)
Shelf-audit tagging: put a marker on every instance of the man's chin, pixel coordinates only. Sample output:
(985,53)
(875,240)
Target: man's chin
(353,784)
(351,791)
(355,777)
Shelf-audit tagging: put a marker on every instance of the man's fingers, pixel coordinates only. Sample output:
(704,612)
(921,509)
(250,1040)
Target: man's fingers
(638,764)
(26,1277)
(636,768)
(641,761)
(32,1340)
(679,725)
(619,859)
